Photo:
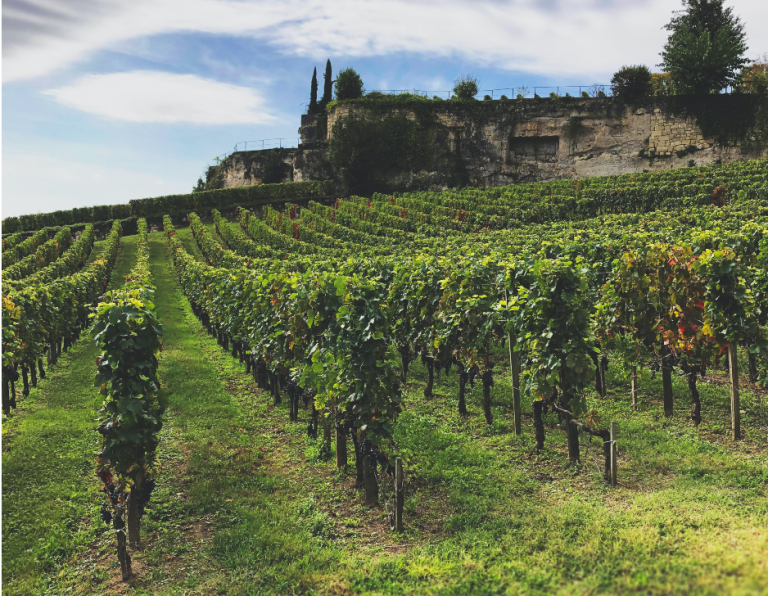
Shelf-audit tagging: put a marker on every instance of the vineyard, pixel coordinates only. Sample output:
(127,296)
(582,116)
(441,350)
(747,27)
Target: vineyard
(543,388)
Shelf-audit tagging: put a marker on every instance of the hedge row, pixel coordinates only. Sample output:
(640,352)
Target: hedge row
(159,206)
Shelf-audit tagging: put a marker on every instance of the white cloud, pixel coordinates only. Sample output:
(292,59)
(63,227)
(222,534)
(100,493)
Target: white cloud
(149,96)
(555,37)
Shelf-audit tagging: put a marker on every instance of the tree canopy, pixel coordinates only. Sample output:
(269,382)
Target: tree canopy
(706,47)
(348,85)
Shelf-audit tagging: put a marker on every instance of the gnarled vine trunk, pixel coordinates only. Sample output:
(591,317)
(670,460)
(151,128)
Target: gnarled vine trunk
(695,402)
(122,547)
(405,357)
(341,445)
(6,393)
(359,466)
(430,377)
(598,375)
(487,384)
(370,482)
(538,424)
(134,518)
(463,379)
(25,380)
(666,379)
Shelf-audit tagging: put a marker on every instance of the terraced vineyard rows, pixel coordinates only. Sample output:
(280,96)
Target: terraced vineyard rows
(51,311)
(324,315)
(543,295)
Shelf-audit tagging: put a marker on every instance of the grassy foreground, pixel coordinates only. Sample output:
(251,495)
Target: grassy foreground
(247,504)
(48,453)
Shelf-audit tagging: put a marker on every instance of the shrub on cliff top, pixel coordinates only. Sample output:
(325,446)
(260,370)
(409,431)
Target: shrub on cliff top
(755,78)
(466,87)
(631,83)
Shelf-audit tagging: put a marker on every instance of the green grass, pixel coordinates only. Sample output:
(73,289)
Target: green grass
(247,504)
(48,452)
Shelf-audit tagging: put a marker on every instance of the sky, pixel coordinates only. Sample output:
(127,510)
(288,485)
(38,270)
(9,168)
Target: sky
(110,100)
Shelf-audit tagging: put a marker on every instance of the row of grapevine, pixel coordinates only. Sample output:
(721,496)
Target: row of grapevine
(157,206)
(128,332)
(450,329)
(11,241)
(70,261)
(323,329)
(236,239)
(41,319)
(18,249)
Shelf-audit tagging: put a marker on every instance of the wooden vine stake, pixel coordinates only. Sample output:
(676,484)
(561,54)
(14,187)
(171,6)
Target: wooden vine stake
(634,388)
(399,494)
(733,365)
(614,453)
(514,366)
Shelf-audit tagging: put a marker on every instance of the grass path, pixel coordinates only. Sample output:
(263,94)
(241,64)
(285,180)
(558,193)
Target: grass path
(48,451)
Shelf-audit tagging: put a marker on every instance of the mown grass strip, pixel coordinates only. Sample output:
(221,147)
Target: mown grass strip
(48,454)
(257,531)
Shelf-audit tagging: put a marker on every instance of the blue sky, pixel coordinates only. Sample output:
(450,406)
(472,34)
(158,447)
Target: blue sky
(108,100)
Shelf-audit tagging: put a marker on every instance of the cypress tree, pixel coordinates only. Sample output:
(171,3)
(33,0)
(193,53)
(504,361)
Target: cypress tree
(313,94)
(327,85)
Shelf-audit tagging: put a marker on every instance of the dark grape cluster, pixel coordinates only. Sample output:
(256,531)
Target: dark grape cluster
(105,514)
(145,494)
(372,454)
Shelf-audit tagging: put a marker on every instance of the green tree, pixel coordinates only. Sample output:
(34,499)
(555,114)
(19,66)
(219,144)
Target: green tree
(706,47)
(312,109)
(348,85)
(466,87)
(200,186)
(327,86)
(631,83)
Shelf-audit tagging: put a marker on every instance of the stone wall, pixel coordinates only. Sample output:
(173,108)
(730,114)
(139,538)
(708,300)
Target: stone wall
(246,168)
(503,142)
(670,134)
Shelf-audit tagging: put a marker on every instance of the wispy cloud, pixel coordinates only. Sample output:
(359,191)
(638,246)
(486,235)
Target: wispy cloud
(149,96)
(552,37)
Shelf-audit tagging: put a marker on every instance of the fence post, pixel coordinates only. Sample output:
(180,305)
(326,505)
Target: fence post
(613,453)
(399,494)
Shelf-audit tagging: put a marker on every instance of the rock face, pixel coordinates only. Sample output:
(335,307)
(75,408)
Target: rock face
(503,142)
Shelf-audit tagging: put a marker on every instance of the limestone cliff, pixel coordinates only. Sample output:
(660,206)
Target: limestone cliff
(493,143)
